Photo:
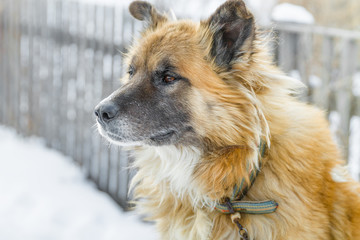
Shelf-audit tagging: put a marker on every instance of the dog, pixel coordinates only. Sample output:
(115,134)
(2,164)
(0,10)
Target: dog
(223,147)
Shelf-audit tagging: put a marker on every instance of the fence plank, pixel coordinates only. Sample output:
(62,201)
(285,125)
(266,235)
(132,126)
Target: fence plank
(3,42)
(324,31)
(109,75)
(7,76)
(327,72)
(344,94)
(95,86)
(83,141)
(287,51)
(2,64)
(303,61)
(16,63)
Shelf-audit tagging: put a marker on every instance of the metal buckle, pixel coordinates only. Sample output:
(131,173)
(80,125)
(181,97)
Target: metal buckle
(235,217)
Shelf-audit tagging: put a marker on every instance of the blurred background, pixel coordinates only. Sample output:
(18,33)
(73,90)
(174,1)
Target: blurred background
(59,58)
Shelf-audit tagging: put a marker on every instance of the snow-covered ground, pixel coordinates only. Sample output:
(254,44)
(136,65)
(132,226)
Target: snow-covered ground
(44,196)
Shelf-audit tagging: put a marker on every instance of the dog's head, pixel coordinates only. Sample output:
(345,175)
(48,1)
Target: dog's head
(187,82)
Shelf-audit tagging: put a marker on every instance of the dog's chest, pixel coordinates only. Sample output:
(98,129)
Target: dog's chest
(175,167)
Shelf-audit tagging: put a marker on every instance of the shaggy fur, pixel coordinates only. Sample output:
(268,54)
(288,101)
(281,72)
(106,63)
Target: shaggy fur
(234,96)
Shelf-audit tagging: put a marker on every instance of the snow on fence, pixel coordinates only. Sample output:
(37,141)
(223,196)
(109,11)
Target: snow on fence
(58,59)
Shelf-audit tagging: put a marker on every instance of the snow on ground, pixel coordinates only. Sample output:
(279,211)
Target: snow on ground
(354,151)
(353,164)
(356,84)
(44,196)
(286,12)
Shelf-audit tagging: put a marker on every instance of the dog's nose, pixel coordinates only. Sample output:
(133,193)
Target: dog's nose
(106,111)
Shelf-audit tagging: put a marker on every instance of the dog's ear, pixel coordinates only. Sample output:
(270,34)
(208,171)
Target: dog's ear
(232,31)
(144,11)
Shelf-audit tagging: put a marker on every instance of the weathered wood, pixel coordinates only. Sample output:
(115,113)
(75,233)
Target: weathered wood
(344,91)
(327,72)
(85,85)
(324,31)
(7,76)
(96,87)
(287,51)
(3,82)
(43,70)
(304,62)
(108,74)
(16,63)
(357,107)
(51,124)
(83,144)
(104,91)
(30,81)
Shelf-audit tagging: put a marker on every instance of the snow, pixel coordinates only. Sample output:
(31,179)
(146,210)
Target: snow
(287,12)
(108,2)
(353,164)
(356,84)
(334,120)
(354,151)
(44,196)
(295,74)
(197,10)
(261,10)
(315,81)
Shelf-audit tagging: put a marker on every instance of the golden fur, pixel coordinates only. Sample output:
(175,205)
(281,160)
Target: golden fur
(233,109)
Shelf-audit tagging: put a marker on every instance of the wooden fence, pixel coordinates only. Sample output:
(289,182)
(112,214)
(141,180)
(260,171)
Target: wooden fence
(58,59)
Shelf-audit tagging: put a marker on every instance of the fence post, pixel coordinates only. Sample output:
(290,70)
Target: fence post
(3,82)
(327,73)
(287,50)
(344,95)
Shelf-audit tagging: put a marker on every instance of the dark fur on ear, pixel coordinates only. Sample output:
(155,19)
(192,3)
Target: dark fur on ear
(144,11)
(233,30)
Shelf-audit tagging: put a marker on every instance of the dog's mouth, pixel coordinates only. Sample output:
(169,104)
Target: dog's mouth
(160,138)
(163,136)
(114,137)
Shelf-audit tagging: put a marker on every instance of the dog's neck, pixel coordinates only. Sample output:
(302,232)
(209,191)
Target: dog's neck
(187,172)
(172,168)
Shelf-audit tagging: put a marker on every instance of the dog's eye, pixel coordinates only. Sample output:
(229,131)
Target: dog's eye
(168,79)
(131,71)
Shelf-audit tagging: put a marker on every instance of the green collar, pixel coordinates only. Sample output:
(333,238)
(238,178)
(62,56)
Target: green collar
(250,207)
